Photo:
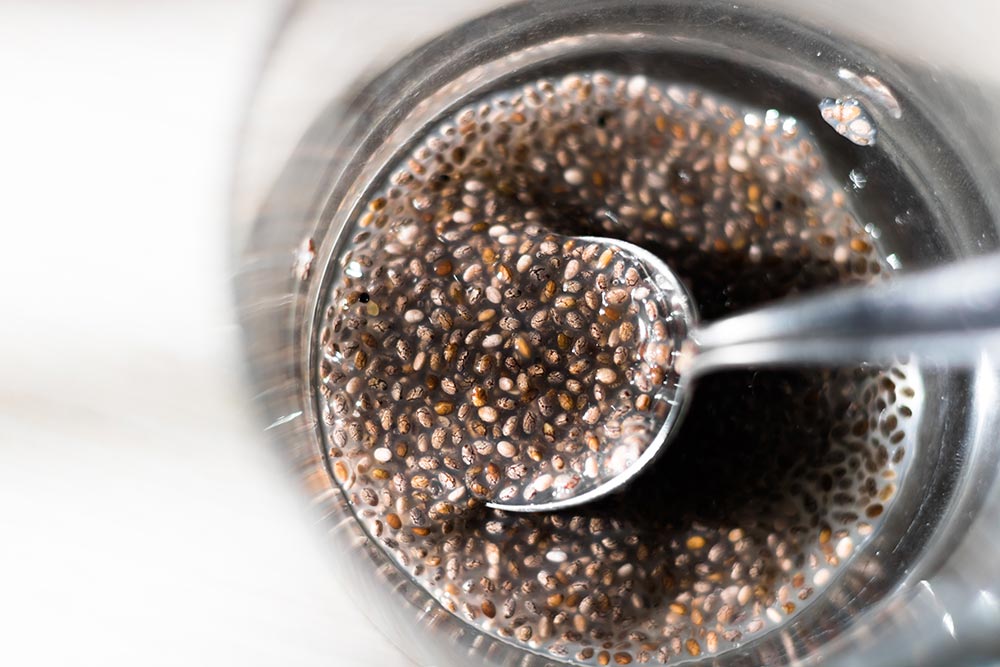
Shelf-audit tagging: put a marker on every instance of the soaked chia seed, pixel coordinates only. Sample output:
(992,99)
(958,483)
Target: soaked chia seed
(472,348)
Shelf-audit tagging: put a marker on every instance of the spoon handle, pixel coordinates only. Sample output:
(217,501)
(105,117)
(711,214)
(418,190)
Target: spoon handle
(948,315)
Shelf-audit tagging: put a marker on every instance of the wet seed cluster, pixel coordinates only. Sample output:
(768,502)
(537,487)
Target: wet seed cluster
(471,347)
(506,361)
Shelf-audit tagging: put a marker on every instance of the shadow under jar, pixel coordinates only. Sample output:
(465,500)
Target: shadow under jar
(415,341)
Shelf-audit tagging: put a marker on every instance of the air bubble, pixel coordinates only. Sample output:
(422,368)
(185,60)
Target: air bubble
(353,270)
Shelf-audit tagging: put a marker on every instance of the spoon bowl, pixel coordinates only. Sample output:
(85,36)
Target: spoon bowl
(542,490)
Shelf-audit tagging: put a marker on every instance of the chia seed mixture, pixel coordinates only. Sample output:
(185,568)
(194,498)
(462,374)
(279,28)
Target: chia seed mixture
(473,349)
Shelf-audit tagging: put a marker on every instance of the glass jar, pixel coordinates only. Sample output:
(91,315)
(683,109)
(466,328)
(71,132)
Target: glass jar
(347,87)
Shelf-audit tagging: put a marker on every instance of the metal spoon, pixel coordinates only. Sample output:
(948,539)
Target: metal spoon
(948,315)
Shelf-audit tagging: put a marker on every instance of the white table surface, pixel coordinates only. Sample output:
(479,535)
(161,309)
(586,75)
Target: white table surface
(143,520)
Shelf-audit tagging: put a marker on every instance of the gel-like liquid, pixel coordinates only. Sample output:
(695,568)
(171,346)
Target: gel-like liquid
(455,308)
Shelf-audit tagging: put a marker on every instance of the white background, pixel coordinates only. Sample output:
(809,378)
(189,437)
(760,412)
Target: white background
(143,520)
